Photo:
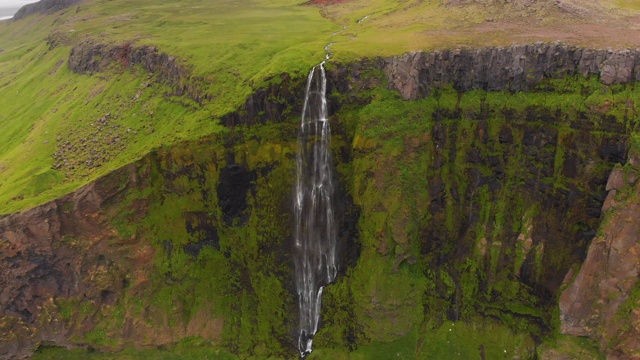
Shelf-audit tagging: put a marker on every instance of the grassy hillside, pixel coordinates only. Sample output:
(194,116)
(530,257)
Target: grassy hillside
(56,135)
(235,46)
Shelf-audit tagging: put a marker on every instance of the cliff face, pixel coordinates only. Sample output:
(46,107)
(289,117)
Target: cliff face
(88,57)
(517,68)
(602,299)
(466,206)
(58,253)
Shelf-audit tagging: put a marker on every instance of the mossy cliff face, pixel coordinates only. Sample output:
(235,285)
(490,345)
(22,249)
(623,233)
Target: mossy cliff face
(89,57)
(189,241)
(460,213)
(474,206)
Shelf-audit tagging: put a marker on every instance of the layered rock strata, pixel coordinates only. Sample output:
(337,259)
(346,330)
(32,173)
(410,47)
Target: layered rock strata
(516,68)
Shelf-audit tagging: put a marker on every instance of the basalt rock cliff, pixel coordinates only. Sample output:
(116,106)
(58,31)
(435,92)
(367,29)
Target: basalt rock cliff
(518,68)
(464,200)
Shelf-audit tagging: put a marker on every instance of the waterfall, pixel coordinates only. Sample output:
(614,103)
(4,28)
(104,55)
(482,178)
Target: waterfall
(314,232)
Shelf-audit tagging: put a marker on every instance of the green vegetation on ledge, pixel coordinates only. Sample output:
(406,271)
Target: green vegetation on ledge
(53,140)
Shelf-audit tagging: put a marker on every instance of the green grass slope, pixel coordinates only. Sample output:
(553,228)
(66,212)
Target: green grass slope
(47,110)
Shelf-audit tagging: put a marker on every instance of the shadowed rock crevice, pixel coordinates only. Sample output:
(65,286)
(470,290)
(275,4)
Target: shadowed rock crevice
(235,183)
(202,228)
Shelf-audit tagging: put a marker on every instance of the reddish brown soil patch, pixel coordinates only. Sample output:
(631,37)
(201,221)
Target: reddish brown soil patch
(606,34)
(325,2)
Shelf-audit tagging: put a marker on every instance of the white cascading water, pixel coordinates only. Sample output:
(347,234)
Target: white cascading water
(315,232)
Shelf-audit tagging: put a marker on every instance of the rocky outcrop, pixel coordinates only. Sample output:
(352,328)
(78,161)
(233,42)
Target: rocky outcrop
(89,57)
(516,68)
(283,99)
(67,271)
(44,7)
(415,74)
(64,250)
(600,301)
(275,103)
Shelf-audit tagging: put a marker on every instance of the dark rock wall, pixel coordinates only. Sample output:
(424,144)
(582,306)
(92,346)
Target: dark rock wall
(517,68)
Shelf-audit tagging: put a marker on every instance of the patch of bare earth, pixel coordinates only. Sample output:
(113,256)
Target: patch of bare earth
(325,2)
(589,23)
(586,23)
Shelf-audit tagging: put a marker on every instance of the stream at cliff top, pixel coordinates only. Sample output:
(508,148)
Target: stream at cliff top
(314,231)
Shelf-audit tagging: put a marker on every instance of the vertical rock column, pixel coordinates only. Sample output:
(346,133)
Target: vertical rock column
(600,301)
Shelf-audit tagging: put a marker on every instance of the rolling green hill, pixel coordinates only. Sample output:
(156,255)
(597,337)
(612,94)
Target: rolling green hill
(233,46)
(49,115)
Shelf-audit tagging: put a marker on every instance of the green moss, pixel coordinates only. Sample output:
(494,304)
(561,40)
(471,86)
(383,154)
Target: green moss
(97,336)
(402,348)
(191,348)
(338,328)
(66,308)
(386,301)
(629,304)
(571,347)
(474,338)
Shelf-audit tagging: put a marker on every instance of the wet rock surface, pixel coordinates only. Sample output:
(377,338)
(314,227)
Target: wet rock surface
(235,181)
